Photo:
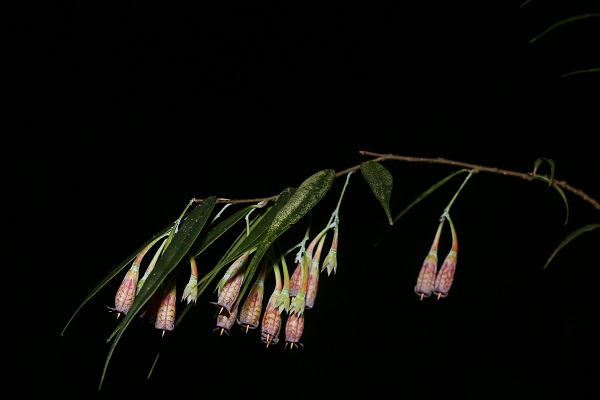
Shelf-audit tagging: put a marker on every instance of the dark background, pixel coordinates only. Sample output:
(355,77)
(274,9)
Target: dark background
(139,108)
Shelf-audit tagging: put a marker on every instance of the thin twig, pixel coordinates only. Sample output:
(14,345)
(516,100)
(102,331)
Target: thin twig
(529,176)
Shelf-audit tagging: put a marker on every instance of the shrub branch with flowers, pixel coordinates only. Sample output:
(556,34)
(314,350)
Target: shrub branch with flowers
(239,294)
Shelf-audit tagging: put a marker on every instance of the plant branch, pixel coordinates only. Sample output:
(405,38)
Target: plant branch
(529,176)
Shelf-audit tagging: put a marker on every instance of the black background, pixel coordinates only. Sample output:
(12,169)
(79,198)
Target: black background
(139,108)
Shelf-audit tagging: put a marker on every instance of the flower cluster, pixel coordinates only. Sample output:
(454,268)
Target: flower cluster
(291,294)
(430,280)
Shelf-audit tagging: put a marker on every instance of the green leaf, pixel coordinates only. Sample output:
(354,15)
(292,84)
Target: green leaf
(562,22)
(380,180)
(178,249)
(308,194)
(573,235)
(581,71)
(539,162)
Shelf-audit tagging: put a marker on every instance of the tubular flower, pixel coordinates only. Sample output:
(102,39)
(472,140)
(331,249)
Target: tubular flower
(129,286)
(126,293)
(226,320)
(252,308)
(165,318)
(426,278)
(233,269)
(230,285)
(294,328)
(444,278)
(271,322)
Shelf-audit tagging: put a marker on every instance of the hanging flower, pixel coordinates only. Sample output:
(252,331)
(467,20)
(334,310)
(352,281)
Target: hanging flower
(226,320)
(251,309)
(229,286)
(426,278)
(165,318)
(294,328)
(445,277)
(126,292)
(271,321)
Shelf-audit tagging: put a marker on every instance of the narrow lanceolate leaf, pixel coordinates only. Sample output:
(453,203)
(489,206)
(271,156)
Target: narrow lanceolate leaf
(573,235)
(562,22)
(380,180)
(178,248)
(539,162)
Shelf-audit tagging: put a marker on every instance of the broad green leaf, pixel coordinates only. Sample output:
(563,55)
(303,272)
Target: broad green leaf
(116,271)
(308,194)
(380,180)
(178,249)
(573,235)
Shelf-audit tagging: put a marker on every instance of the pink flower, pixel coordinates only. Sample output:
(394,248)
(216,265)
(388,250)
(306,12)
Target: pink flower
(127,290)
(252,307)
(165,318)
(444,278)
(229,286)
(426,278)
(271,322)
(294,328)
(226,320)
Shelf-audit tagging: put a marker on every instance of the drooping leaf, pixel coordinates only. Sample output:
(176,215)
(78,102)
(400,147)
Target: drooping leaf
(381,181)
(573,235)
(178,249)
(539,162)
